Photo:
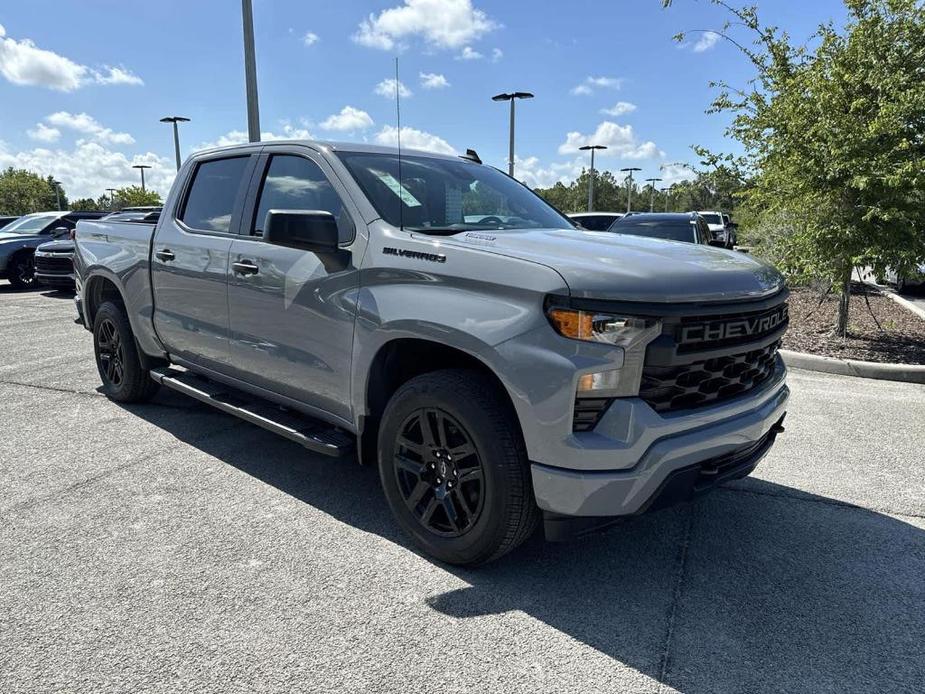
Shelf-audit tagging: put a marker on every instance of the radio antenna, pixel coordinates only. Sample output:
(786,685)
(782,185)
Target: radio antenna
(401,189)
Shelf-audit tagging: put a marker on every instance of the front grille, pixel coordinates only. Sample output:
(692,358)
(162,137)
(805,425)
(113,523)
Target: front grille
(54,264)
(696,333)
(683,386)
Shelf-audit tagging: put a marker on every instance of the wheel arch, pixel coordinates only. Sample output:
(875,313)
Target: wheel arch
(399,360)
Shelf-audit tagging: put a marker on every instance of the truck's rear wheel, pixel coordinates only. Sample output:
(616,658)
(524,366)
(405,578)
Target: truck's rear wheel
(454,467)
(124,379)
(22,270)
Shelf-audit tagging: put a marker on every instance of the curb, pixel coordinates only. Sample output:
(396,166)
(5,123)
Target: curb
(905,303)
(908,373)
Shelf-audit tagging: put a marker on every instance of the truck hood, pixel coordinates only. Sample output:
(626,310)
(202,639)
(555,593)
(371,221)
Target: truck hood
(60,246)
(605,265)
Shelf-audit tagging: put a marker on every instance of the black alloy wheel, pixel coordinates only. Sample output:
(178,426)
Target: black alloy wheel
(439,472)
(110,353)
(22,273)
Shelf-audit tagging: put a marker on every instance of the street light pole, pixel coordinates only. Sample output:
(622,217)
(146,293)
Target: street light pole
(629,187)
(142,167)
(513,96)
(57,185)
(176,134)
(586,148)
(250,72)
(652,182)
(112,197)
(666,191)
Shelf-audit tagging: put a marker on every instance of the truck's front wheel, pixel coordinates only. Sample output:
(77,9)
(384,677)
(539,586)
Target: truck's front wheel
(124,379)
(454,467)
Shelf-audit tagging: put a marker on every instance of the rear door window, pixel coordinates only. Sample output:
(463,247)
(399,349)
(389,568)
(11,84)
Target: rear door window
(213,193)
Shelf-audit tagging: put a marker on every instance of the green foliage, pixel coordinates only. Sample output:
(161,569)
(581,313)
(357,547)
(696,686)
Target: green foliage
(834,137)
(85,205)
(24,192)
(609,194)
(134,196)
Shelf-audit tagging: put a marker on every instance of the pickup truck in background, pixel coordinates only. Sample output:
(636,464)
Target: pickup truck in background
(499,372)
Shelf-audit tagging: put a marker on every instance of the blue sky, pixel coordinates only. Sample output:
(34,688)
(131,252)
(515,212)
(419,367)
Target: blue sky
(83,84)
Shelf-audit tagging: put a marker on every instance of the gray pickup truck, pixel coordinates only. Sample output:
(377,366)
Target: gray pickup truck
(434,317)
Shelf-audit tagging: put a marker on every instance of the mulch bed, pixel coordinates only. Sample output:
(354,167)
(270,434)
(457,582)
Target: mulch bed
(902,340)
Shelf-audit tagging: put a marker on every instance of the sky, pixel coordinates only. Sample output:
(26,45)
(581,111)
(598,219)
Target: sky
(84,83)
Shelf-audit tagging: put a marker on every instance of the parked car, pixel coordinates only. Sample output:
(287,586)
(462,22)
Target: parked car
(904,282)
(595,221)
(54,264)
(19,240)
(717,227)
(670,226)
(497,373)
(731,236)
(4,220)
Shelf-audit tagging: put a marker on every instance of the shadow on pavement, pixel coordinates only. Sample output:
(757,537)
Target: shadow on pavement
(756,587)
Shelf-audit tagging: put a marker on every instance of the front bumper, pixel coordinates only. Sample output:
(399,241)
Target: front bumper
(647,450)
(56,279)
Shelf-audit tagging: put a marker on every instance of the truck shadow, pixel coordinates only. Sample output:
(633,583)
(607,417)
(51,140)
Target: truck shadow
(757,587)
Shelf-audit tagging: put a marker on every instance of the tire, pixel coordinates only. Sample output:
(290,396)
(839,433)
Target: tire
(21,271)
(117,361)
(471,508)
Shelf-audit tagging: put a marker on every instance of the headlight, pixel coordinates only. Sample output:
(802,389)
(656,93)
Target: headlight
(599,327)
(631,333)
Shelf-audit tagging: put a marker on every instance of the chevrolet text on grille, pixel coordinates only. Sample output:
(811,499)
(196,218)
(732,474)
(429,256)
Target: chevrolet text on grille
(740,327)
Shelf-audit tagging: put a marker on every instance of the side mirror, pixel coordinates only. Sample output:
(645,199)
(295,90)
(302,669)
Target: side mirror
(308,230)
(59,232)
(717,242)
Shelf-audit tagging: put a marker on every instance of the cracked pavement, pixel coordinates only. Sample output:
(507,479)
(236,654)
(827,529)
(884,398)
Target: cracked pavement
(167,547)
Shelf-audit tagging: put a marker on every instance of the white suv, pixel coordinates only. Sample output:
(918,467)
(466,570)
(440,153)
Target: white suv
(717,226)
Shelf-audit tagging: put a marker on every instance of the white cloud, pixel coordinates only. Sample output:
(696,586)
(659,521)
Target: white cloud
(529,171)
(86,124)
(237,137)
(89,168)
(386,88)
(447,24)
(469,53)
(43,133)
(433,80)
(675,173)
(117,75)
(349,118)
(620,141)
(620,108)
(496,54)
(23,63)
(413,139)
(706,41)
(591,83)
(310,38)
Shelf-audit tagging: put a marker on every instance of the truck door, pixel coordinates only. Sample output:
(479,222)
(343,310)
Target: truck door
(292,311)
(189,261)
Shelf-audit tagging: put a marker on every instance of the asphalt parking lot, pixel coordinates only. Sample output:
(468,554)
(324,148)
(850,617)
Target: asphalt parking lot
(168,547)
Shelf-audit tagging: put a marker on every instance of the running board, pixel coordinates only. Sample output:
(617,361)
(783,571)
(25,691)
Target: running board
(313,434)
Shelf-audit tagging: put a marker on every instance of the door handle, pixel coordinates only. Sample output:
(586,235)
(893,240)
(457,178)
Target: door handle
(165,254)
(245,267)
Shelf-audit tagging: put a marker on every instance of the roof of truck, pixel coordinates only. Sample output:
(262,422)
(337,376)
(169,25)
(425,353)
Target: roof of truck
(338,147)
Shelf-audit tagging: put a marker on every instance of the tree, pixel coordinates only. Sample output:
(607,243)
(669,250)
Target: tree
(834,138)
(23,192)
(134,196)
(85,205)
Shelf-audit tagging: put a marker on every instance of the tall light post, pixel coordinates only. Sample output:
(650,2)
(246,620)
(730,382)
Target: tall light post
(629,186)
(250,72)
(512,97)
(176,134)
(142,167)
(57,185)
(112,197)
(586,148)
(652,182)
(667,191)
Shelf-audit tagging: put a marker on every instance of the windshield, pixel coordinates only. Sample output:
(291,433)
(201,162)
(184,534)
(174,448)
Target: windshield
(670,231)
(30,224)
(446,196)
(712,218)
